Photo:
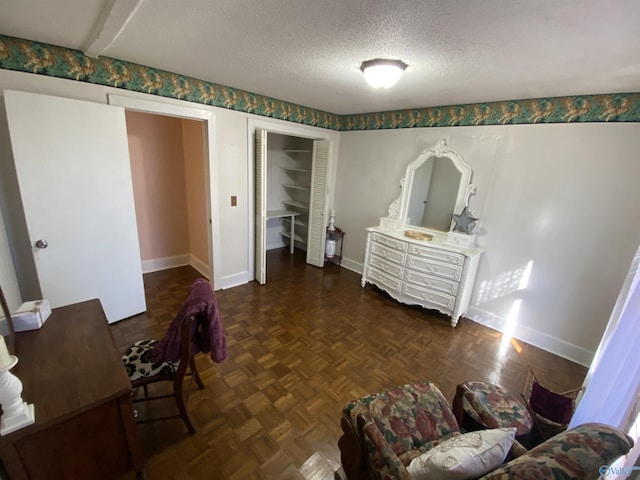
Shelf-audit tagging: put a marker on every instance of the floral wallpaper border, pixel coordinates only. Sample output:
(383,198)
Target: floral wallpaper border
(33,57)
(43,59)
(619,107)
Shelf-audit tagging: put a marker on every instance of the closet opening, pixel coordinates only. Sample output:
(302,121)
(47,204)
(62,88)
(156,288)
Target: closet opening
(208,143)
(288,191)
(291,178)
(168,169)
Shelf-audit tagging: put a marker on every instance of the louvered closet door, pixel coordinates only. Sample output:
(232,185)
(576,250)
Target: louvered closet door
(318,203)
(261,207)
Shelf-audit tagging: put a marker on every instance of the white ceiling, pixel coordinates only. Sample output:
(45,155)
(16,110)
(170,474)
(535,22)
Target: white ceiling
(309,51)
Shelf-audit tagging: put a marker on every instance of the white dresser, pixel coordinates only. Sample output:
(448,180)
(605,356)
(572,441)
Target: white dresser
(434,274)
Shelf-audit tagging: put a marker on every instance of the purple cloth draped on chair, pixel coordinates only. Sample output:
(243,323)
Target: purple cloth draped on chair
(207,332)
(551,405)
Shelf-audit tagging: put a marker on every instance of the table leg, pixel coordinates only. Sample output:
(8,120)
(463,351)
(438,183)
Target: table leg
(293,225)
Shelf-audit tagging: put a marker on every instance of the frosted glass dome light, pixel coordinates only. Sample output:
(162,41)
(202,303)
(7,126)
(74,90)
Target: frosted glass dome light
(381,73)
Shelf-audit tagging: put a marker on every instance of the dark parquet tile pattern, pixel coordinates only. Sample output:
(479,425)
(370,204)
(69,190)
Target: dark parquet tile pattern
(301,347)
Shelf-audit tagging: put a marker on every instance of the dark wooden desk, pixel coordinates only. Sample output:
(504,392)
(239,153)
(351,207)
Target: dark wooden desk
(74,376)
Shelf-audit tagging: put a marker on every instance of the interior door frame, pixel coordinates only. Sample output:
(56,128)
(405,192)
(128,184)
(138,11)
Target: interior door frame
(282,128)
(211,163)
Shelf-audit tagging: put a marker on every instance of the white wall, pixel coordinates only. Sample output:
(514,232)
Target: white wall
(232,164)
(562,196)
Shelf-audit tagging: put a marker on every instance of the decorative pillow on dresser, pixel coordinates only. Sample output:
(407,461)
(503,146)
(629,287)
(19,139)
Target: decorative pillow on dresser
(466,456)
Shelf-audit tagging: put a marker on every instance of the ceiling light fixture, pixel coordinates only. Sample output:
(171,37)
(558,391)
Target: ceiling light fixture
(380,73)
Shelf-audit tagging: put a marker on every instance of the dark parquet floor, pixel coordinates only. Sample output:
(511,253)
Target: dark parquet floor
(300,348)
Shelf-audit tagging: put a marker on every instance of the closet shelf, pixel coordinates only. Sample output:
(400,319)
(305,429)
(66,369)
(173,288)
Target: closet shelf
(296,187)
(293,203)
(281,213)
(294,150)
(296,169)
(298,222)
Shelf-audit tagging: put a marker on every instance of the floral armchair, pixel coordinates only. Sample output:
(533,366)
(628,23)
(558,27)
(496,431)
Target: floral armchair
(384,432)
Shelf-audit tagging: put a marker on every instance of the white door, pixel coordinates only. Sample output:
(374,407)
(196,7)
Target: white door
(74,175)
(261,207)
(318,203)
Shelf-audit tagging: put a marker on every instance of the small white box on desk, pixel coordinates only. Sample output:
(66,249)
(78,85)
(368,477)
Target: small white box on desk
(31,315)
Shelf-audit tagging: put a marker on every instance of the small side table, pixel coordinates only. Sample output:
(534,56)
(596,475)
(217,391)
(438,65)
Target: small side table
(337,236)
(292,215)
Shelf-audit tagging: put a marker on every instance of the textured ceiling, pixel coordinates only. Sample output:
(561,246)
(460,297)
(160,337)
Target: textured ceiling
(309,52)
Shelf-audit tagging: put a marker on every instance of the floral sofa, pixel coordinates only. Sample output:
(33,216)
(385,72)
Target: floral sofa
(385,432)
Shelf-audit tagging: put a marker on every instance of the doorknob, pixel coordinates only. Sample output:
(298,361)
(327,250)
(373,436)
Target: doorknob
(42,244)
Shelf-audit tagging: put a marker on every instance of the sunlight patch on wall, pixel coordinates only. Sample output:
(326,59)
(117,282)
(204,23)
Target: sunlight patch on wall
(510,327)
(526,274)
(504,284)
(508,340)
(517,282)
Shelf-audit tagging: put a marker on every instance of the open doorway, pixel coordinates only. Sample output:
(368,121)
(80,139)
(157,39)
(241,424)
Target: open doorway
(168,175)
(207,119)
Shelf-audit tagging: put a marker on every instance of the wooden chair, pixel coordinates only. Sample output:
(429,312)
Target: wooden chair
(143,372)
(551,411)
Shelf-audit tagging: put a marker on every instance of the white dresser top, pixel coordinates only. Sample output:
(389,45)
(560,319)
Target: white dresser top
(439,241)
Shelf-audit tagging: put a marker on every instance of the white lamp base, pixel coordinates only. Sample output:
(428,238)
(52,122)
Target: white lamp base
(16,412)
(332,223)
(25,418)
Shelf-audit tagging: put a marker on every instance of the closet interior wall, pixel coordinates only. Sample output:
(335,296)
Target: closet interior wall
(168,173)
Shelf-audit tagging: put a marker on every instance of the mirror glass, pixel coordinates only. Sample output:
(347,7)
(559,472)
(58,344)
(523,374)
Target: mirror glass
(433,197)
(436,187)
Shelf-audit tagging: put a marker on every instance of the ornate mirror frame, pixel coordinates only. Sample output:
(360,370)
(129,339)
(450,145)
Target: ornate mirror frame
(398,211)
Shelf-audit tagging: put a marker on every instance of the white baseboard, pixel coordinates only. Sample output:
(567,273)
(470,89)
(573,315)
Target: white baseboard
(234,280)
(533,337)
(351,265)
(164,263)
(200,266)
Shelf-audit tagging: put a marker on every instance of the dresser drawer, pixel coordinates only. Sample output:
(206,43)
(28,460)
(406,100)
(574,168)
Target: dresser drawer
(383,281)
(450,272)
(389,268)
(430,299)
(392,243)
(387,253)
(442,256)
(430,282)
